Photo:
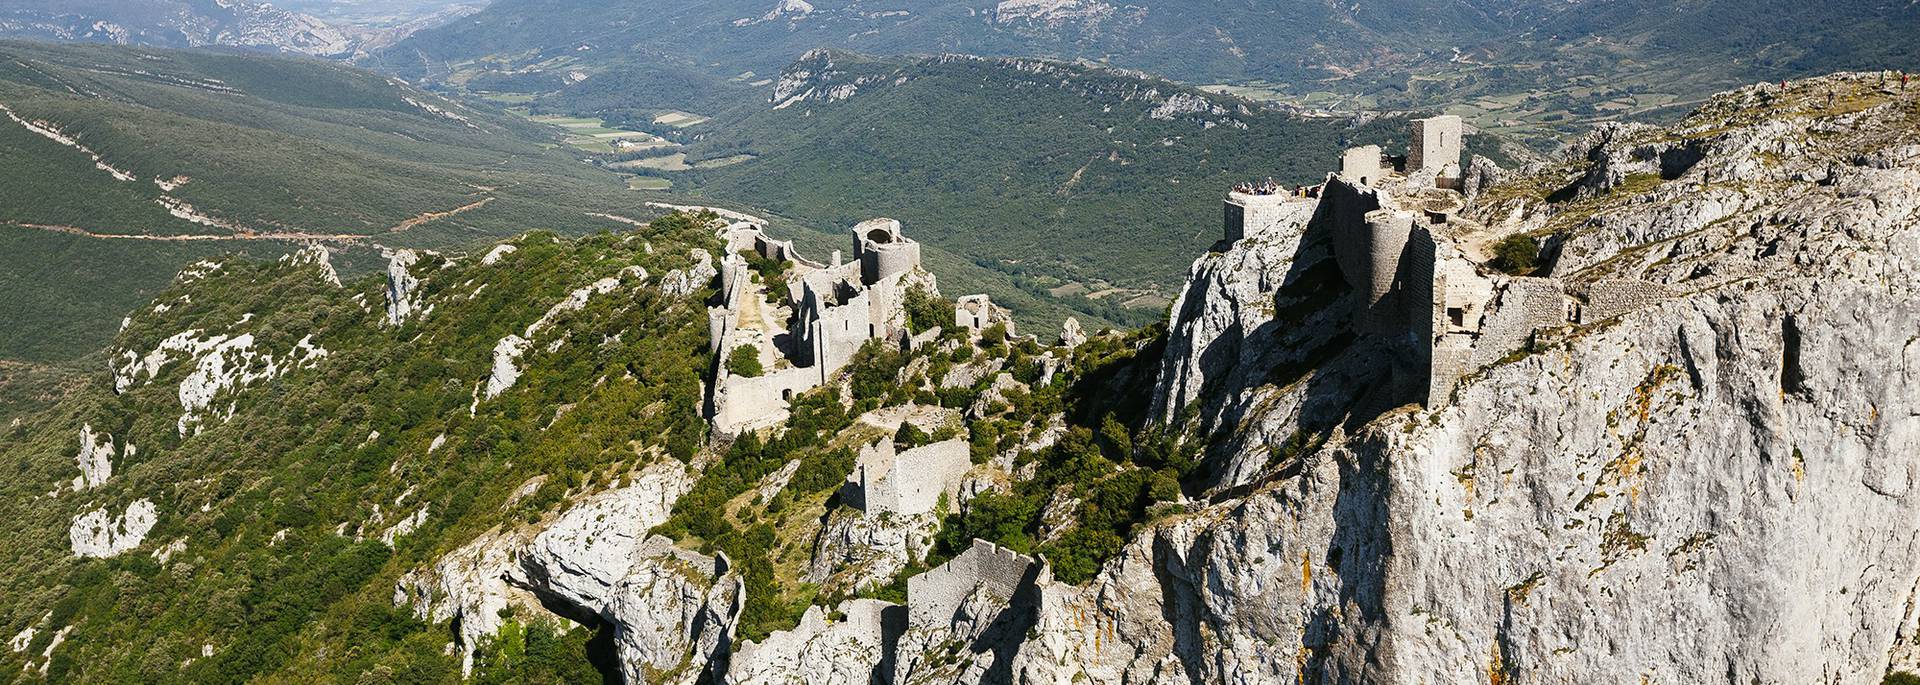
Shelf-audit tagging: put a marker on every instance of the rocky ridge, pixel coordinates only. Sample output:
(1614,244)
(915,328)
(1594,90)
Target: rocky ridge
(1549,521)
(1713,485)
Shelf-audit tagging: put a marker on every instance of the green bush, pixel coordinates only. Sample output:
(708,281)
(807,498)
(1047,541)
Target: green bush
(1516,254)
(745,361)
(925,311)
(910,436)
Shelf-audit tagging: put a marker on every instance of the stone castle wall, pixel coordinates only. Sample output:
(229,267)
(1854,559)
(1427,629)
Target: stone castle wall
(934,596)
(909,483)
(1523,305)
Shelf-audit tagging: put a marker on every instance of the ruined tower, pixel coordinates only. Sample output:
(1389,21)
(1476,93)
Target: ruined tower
(1437,142)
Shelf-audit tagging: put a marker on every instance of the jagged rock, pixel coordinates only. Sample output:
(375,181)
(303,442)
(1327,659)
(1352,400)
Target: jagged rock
(469,588)
(403,296)
(94,458)
(1634,503)
(857,549)
(995,394)
(674,614)
(320,258)
(1070,334)
(1481,174)
(506,365)
(498,253)
(681,283)
(672,611)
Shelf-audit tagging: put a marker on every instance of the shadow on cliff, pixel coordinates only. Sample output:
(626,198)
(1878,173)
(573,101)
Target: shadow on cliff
(1334,376)
(1309,349)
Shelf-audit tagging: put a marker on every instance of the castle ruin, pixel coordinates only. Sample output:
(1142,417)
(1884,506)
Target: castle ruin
(1417,266)
(831,310)
(935,596)
(906,483)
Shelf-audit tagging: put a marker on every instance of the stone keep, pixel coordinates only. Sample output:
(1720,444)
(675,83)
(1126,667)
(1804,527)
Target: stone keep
(1436,143)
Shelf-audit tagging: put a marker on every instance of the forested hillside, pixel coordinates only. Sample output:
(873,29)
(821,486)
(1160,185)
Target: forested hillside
(1069,178)
(330,452)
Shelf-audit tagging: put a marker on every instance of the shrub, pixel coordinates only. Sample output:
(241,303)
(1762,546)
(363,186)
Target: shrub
(745,361)
(1516,254)
(926,311)
(910,436)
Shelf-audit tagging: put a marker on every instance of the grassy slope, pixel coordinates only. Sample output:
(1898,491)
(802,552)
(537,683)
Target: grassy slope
(269,144)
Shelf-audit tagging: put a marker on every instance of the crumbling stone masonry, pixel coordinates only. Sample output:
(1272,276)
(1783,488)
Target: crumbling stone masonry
(1399,242)
(907,483)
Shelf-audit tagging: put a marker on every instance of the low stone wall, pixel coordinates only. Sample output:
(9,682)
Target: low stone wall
(1611,297)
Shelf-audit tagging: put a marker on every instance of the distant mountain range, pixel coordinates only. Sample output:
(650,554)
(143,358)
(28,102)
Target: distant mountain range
(1193,40)
(1534,70)
(321,28)
(173,23)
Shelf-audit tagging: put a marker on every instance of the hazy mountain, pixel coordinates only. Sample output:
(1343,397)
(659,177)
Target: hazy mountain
(173,23)
(1188,39)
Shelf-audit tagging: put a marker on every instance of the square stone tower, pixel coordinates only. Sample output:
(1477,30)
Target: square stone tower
(1437,142)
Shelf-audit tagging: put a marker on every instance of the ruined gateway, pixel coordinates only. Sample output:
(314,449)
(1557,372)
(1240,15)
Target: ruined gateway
(1681,451)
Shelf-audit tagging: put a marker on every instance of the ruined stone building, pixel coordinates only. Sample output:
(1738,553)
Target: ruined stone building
(832,309)
(1414,263)
(907,483)
(977,313)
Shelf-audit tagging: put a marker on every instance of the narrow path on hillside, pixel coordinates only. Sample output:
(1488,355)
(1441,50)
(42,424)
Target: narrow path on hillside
(296,236)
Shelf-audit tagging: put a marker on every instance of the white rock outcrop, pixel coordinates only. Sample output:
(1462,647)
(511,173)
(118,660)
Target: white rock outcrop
(403,288)
(98,533)
(683,282)
(94,459)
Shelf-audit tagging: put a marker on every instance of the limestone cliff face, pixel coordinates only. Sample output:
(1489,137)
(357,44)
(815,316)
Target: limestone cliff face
(1715,488)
